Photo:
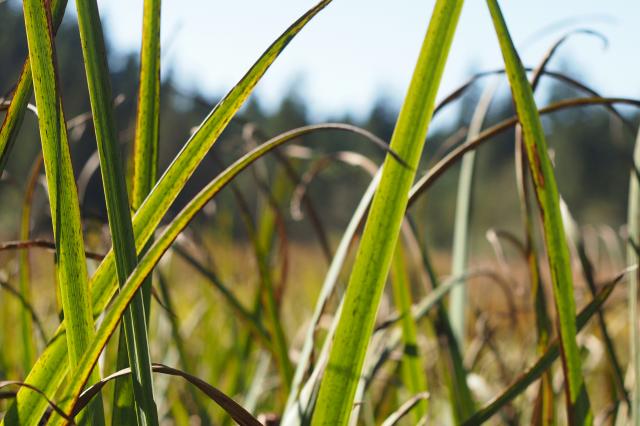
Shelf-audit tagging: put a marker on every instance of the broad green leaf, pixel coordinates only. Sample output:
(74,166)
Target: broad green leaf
(48,375)
(381,231)
(71,265)
(578,409)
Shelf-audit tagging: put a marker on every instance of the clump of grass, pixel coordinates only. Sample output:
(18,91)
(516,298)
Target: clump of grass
(348,366)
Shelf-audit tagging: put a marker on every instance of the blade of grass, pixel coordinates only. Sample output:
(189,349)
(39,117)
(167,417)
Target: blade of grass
(71,265)
(545,407)
(633,224)
(117,201)
(374,254)
(145,155)
(461,399)
(412,369)
(458,297)
(103,284)
(22,93)
(145,165)
(578,407)
(327,289)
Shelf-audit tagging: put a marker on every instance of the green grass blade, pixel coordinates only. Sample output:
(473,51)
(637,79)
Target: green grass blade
(458,298)
(145,153)
(328,287)
(578,408)
(117,201)
(413,372)
(71,265)
(22,94)
(145,166)
(383,224)
(633,224)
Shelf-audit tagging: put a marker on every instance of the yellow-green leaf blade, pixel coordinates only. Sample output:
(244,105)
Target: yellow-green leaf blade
(383,224)
(578,408)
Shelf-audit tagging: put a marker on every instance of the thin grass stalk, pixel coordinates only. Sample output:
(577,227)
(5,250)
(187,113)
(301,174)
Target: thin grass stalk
(458,297)
(545,407)
(633,225)
(117,202)
(373,259)
(545,411)
(172,181)
(412,369)
(146,142)
(22,93)
(71,264)
(578,407)
(145,165)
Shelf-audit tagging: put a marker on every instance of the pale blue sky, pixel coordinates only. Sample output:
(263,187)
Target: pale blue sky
(356,50)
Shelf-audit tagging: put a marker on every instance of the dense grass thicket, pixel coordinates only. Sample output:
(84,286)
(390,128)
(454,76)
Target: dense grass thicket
(165,258)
